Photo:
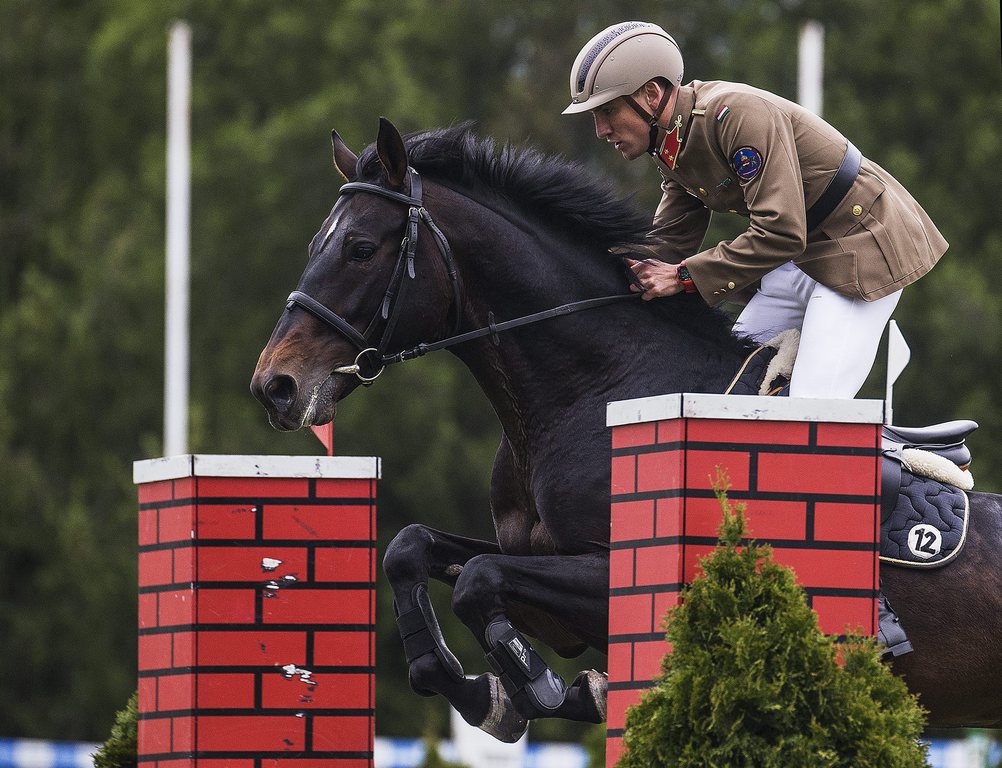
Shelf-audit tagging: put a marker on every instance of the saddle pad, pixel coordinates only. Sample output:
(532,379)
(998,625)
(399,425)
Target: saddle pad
(748,379)
(768,369)
(928,526)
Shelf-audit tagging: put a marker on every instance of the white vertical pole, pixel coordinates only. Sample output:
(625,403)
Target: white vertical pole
(810,66)
(178,239)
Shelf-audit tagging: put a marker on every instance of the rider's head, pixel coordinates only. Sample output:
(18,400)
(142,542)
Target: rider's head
(620,61)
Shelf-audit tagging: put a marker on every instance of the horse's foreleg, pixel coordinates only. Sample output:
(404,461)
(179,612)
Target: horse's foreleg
(415,555)
(570,590)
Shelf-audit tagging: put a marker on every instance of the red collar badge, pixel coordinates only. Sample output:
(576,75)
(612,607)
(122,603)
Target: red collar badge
(667,153)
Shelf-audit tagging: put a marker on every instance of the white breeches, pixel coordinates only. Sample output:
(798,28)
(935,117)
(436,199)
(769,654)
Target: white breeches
(838,335)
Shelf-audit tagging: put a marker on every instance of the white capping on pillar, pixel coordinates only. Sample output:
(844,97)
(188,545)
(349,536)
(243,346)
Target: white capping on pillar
(690,405)
(207,465)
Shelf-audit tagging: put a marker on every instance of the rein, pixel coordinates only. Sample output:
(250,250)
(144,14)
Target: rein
(375,356)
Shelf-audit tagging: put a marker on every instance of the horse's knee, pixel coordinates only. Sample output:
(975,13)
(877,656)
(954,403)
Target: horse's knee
(406,554)
(478,589)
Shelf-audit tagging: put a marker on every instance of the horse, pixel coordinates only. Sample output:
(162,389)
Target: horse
(515,277)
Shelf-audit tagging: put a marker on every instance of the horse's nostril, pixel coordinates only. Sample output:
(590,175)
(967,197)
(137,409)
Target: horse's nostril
(281,391)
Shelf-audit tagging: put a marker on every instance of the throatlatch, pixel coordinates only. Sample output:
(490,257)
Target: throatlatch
(521,669)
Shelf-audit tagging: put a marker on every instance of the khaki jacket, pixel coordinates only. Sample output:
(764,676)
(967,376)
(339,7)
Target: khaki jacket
(877,240)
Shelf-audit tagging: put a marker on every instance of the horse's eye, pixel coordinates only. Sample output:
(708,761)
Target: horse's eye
(362,251)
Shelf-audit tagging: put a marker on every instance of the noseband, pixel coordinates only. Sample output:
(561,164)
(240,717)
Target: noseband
(375,357)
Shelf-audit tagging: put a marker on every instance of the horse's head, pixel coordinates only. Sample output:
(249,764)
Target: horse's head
(370,288)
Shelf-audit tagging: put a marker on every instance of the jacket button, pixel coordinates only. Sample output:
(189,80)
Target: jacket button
(857,210)
(702,192)
(730,285)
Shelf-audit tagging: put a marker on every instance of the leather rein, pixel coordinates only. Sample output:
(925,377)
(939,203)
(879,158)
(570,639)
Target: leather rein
(375,357)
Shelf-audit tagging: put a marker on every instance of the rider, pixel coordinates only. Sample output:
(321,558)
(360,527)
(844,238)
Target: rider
(832,237)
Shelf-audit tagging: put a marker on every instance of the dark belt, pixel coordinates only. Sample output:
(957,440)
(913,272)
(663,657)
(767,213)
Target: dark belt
(837,188)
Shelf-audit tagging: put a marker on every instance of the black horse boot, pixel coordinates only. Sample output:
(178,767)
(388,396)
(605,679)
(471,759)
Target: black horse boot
(421,634)
(534,688)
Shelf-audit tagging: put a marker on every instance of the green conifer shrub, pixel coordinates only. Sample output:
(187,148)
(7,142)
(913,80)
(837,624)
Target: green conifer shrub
(121,750)
(752,681)
(594,746)
(432,757)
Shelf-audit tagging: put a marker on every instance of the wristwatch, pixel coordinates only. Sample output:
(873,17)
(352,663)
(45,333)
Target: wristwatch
(682,273)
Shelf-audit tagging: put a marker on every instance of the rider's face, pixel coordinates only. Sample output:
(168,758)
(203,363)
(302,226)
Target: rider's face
(622,126)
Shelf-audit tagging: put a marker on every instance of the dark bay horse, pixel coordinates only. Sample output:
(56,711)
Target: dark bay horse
(439,240)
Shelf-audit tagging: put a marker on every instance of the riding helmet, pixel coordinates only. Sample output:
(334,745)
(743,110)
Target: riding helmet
(619,60)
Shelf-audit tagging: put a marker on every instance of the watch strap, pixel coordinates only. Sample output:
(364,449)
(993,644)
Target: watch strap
(684,278)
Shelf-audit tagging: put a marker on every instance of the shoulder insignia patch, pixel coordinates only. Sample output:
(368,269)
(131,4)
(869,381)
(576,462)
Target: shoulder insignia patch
(747,162)
(724,111)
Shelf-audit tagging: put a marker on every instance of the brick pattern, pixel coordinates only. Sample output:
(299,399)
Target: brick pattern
(811,490)
(257,623)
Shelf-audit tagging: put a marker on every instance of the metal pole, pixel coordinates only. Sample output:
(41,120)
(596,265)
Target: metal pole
(178,240)
(810,66)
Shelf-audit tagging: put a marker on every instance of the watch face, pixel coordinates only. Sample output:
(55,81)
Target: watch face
(683,273)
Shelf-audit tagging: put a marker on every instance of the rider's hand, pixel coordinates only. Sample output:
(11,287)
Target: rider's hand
(654,279)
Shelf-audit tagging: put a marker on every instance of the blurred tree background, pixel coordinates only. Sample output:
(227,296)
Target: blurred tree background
(916,84)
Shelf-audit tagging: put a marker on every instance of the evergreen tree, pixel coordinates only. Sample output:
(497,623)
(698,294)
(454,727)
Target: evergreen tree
(432,758)
(594,743)
(752,681)
(120,750)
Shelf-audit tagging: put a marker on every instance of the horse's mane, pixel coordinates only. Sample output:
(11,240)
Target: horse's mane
(564,194)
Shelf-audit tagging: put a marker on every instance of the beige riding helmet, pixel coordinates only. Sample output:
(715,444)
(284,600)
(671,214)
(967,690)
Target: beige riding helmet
(620,59)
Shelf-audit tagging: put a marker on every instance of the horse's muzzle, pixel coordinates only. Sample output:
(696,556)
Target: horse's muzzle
(279,394)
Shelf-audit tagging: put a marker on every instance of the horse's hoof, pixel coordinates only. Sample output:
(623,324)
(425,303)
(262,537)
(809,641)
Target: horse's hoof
(503,721)
(594,689)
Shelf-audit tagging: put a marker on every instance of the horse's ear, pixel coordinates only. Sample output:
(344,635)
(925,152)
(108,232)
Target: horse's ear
(392,153)
(344,159)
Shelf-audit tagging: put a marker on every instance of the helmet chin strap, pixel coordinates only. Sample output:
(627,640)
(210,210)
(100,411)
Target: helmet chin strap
(651,119)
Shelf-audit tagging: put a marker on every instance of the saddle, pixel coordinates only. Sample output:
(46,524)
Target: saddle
(925,475)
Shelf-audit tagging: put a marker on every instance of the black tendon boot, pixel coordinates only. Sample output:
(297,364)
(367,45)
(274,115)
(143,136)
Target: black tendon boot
(421,634)
(533,687)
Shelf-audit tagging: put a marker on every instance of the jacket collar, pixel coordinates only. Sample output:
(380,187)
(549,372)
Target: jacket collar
(671,140)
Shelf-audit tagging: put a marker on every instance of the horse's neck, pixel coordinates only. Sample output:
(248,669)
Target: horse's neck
(536,376)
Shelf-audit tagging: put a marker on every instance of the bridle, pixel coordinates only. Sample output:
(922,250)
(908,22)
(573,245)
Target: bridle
(389,309)
(375,357)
